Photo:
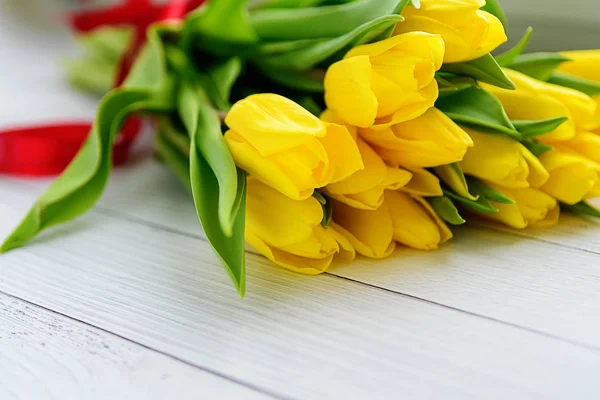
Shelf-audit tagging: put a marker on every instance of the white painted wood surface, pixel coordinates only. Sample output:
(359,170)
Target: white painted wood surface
(129,302)
(44,355)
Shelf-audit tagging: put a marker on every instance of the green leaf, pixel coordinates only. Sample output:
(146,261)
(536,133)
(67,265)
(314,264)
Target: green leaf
(481,204)
(588,87)
(475,106)
(452,175)
(529,129)
(170,153)
(511,55)
(221,78)
(540,66)
(327,214)
(331,21)
(450,85)
(216,184)
(482,190)
(307,57)
(204,127)
(484,69)
(536,148)
(220,27)
(320,198)
(582,208)
(494,8)
(307,81)
(82,183)
(446,209)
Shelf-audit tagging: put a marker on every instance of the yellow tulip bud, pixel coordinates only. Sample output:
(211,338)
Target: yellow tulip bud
(415,222)
(370,232)
(385,82)
(536,100)
(503,161)
(285,146)
(573,178)
(584,64)
(365,188)
(401,218)
(423,184)
(586,144)
(532,207)
(468,32)
(430,140)
(289,232)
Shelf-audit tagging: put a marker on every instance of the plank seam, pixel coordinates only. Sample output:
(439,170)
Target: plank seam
(218,374)
(140,221)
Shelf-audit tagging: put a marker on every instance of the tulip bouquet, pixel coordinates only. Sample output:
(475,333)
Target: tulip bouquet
(318,130)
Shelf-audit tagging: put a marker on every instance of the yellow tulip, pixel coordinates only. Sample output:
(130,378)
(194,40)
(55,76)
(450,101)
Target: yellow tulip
(370,232)
(401,218)
(468,32)
(503,161)
(584,64)
(385,82)
(415,222)
(365,188)
(532,207)
(430,140)
(586,144)
(289,232)
(423,184)
(573,178)
(536,100)
(285,146)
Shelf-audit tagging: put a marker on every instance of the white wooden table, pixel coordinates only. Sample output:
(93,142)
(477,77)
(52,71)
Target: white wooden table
(129,302)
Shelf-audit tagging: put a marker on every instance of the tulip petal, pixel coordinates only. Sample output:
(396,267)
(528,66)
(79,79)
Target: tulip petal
(369,232)
(348,91)
(272,123)
(344,156)
(302,265)
(413,225)
(423,183)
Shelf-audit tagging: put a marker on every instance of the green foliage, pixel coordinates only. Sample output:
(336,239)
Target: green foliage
(483,69)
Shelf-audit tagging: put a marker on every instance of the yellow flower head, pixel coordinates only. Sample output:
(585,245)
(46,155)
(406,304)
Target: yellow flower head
(584,64)
(289,232)
(536,100)
(573,178)
(385,82)
(468,32)
(532,207)
(430,140)
(402,218)
(504,161)
(364,189)
(285,146)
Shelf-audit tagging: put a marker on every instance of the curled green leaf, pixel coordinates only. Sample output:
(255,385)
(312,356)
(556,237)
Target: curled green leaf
(446,209)
(481,204)
(82,183)
(314,53)
(540,66)
(478,108)
(529,129)
(586,86)
(484,69)
(508,57)
(330,21)
(483,190)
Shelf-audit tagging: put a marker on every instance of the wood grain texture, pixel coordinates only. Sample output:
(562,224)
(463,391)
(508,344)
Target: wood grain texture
(294,336)
(547,284)
(44,355)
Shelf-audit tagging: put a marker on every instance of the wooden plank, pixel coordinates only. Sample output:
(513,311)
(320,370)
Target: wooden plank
(532,284)
(44,355)
(296,336)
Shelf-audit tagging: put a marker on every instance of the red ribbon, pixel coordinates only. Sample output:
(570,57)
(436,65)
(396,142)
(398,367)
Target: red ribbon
(43,150)
(47,150)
